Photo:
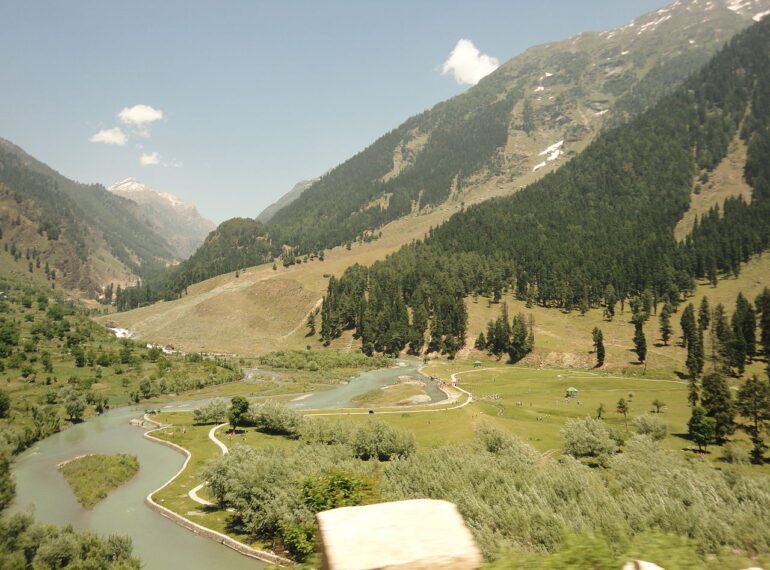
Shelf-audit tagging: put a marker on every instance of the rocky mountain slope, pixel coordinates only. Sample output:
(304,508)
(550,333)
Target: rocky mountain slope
(176,220)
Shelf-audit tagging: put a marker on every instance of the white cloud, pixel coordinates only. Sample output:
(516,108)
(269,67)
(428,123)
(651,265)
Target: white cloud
(468,64)
(114,136)
(139,115)
(154,159)
(149,159)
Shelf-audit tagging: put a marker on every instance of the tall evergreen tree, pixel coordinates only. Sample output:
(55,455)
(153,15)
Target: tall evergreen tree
(665,323)
(701,428)
(763,308)
(640,342)
(687,322)
(746,322)
(598,338)
(753,403)
(717,400)
(704,314)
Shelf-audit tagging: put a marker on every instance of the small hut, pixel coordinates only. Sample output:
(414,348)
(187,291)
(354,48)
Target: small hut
(476,363)
(572,392)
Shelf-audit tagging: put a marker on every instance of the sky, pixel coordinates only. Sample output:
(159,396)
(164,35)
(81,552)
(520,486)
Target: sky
(228,104)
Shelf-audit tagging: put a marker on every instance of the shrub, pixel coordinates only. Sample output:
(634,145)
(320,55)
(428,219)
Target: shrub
(497,441)
(334,488)
(734,453)
(587,437)
(647,424)
(214,411)
(275,418)
(377,440)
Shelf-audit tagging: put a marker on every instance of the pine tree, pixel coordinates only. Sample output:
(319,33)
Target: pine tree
(701,428)
(687,322)
(665,323)
(598,338)
(610,300)
(746,321)
(311,323)
(753,403)
(704,314)
(640,342)
(623,408)
(717,400)
(763,308)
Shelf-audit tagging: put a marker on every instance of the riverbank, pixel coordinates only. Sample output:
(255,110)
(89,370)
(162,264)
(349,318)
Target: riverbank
(239,547)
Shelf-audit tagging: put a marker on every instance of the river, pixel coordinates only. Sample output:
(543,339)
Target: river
(160,543)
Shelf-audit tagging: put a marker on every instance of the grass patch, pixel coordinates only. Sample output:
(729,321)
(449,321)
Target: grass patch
(92,477)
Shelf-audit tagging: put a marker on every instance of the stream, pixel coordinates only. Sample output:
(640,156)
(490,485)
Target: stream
(160,543)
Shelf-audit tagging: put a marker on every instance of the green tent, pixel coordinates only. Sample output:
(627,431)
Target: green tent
(477,362)
(572,392)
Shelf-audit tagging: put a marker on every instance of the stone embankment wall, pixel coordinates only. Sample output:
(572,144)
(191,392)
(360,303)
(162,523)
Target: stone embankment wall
(261,555)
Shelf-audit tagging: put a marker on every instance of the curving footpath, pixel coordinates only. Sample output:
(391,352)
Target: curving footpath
(261,555)
(193,493)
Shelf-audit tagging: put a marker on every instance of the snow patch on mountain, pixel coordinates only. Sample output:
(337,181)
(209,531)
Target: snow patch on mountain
(553,151)
(133,186)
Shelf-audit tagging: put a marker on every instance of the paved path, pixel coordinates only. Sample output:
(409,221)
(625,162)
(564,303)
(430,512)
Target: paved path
(193,493)
(213,438)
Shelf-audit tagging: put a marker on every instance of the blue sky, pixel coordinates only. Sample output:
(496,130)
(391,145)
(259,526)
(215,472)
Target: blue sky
(232,102)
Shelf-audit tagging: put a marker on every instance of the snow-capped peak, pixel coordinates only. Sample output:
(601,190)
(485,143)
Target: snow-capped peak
(133,186)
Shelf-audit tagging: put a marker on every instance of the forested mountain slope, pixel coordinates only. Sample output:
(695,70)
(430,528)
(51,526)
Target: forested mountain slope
(85,236)
(499,129)
(602,225)
(296,191)
(520,122)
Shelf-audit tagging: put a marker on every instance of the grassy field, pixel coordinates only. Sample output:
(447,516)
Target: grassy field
(92,477)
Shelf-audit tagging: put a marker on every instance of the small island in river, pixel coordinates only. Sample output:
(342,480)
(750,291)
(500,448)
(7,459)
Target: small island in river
(92,477)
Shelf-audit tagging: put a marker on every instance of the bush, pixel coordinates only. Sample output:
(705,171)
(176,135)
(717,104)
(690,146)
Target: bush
(377,440)
(275,418)
(497,441)
(647,424)
(214,411)
(587,437)
(334,488)
(734,453)
(323,430)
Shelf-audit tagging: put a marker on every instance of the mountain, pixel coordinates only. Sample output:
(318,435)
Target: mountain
(265,215)
(521,122)
(77,236)
(171,217)
(599,230)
